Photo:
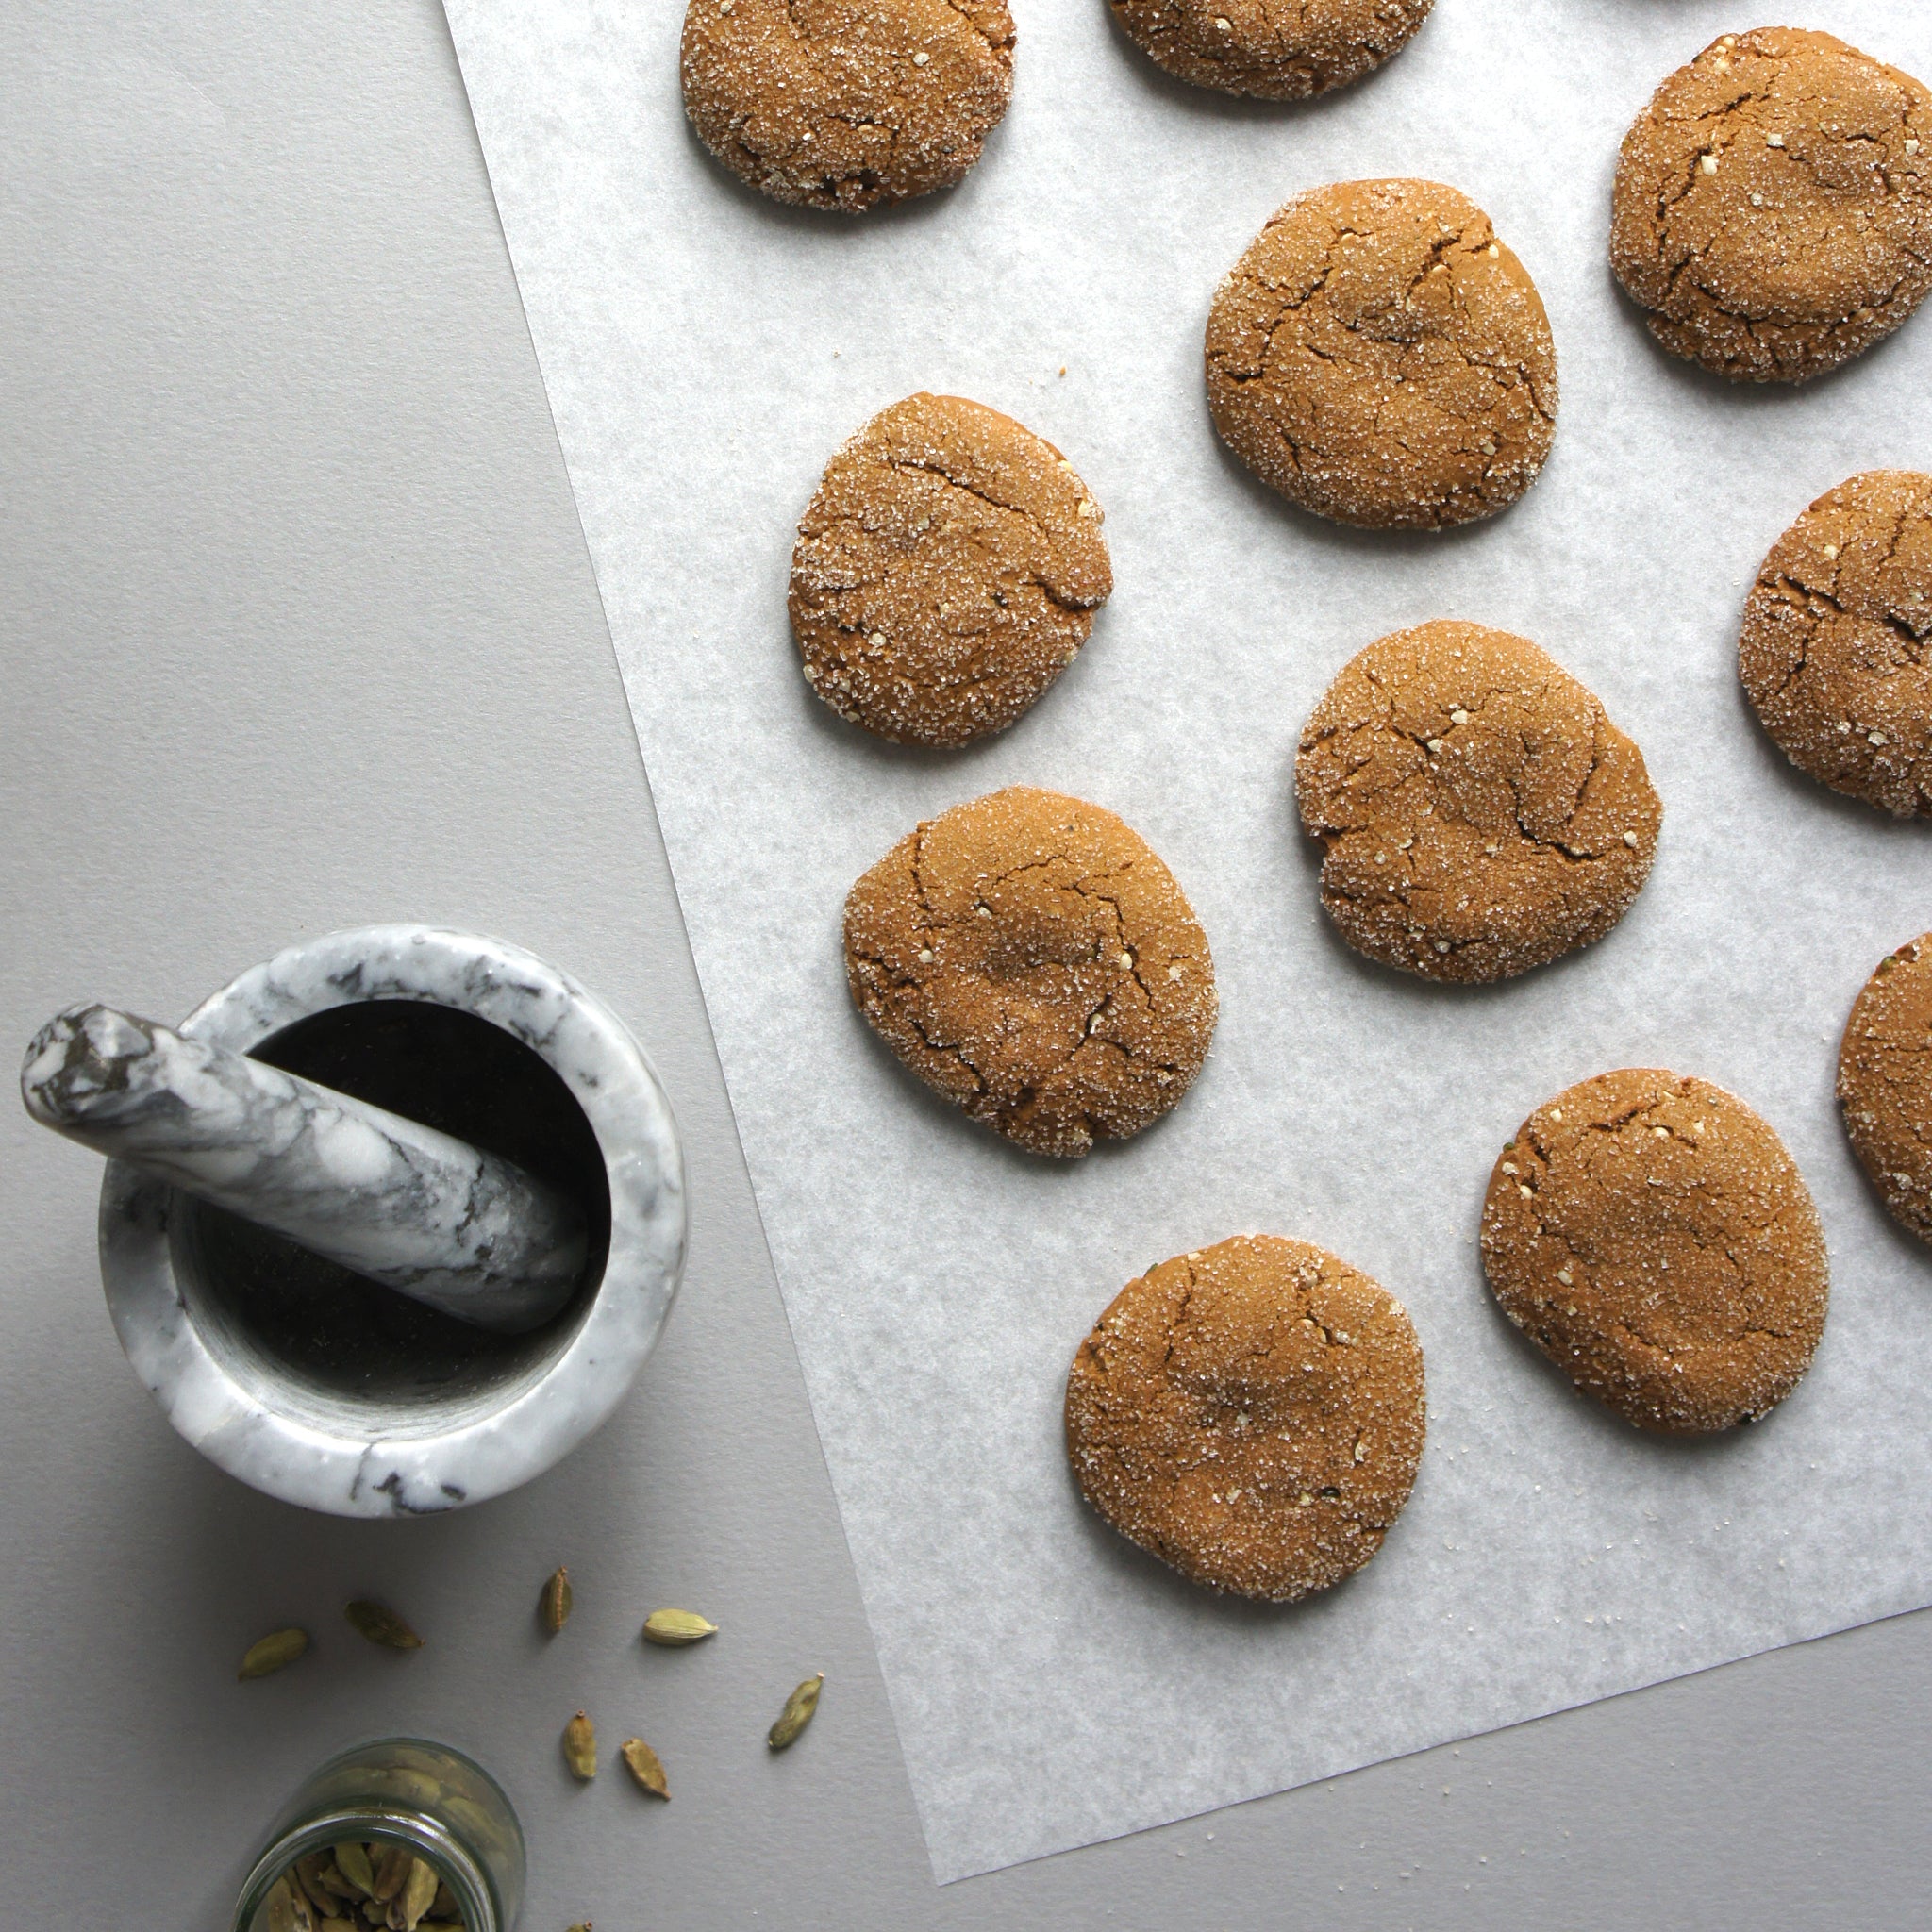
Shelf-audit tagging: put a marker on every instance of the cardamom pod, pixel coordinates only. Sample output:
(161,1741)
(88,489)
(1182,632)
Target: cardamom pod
(554,1606)
(380,1625)
(281,1907)
(797,1714)
(674,1629)
(646,1767)
(336,1925)
(375,1912)
(418,1889)
(580,1748)
(274,1651)
(582,1925)
(393,1865)
(306,1887)
(445,1905)
(351,1861)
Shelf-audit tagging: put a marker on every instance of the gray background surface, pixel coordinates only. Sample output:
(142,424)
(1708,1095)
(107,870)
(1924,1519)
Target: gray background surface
(299,632)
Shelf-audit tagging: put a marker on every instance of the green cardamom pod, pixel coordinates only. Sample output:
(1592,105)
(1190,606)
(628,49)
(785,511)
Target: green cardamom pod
(413,1900)
(645,1767)
(674,1629)
(554,1606)
(351,1861)
(797,1714)
(281,1907)
(582,1925)
(580,1748)
(392,1864)
(381,1624)
(274,1651)
(336,1925)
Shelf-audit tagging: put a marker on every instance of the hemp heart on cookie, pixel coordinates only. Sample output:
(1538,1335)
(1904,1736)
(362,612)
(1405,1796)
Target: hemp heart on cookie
(1772,209)
(1651,1234)
(946,571)
(1379,357)
(1253,1413)
(1031,957)
(846,104)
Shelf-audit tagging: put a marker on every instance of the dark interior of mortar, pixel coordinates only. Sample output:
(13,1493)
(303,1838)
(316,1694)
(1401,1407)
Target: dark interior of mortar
(294,1312)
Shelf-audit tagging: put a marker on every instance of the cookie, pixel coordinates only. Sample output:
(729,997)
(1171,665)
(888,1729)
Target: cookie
(1650,1234)
(848,103)
(1252,1413)
(1885,1082)
(945,574)
(1263,48)
(1031,957)
(1836,651)
(1773,210)
(1379,358)
(1480,812)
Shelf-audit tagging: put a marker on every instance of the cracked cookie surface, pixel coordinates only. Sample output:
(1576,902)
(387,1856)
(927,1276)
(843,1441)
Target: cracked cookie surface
(1029,956)
(1885,1082)
(1479,811)
(1380,358)
(1278,50)
(1651,1234)
(1772,209)
(946,571)
(846,104)
(1252,1413)
(1836,649)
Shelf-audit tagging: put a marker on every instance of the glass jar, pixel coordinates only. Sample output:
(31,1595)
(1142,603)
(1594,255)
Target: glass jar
(404,1791)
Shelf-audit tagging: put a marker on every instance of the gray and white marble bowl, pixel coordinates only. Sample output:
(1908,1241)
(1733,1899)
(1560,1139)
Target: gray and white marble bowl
(323,1389)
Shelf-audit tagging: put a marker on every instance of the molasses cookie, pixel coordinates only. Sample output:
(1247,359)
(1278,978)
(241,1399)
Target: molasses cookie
(1772,209)
(1252,1413)
(1480,812)
(1273,51)
(846,104)
(1836,651)
(945,574)
(1650,1234)
(1029,956)
(1885,1082)
(1378,356)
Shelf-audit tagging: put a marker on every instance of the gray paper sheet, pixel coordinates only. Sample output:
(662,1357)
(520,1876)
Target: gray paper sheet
(705,350)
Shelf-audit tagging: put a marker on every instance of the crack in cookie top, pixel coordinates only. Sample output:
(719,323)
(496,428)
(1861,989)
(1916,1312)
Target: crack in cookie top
(1380,358)
(1773,207)
(848,103)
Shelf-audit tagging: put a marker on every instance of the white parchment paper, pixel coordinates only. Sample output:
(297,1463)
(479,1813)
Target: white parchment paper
(705,350)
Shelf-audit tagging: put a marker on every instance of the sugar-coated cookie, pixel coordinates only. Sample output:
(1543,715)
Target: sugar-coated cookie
(1029,956)
(1380,358)
(1651,1234)
(946,571)
(1772,209)
(1252,1413)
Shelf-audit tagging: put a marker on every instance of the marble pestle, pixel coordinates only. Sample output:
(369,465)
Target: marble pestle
(396,1202)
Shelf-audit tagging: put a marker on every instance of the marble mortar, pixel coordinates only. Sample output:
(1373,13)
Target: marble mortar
(320,1388)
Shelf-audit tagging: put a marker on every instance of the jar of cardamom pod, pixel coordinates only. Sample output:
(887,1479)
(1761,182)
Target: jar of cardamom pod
(397,1836)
